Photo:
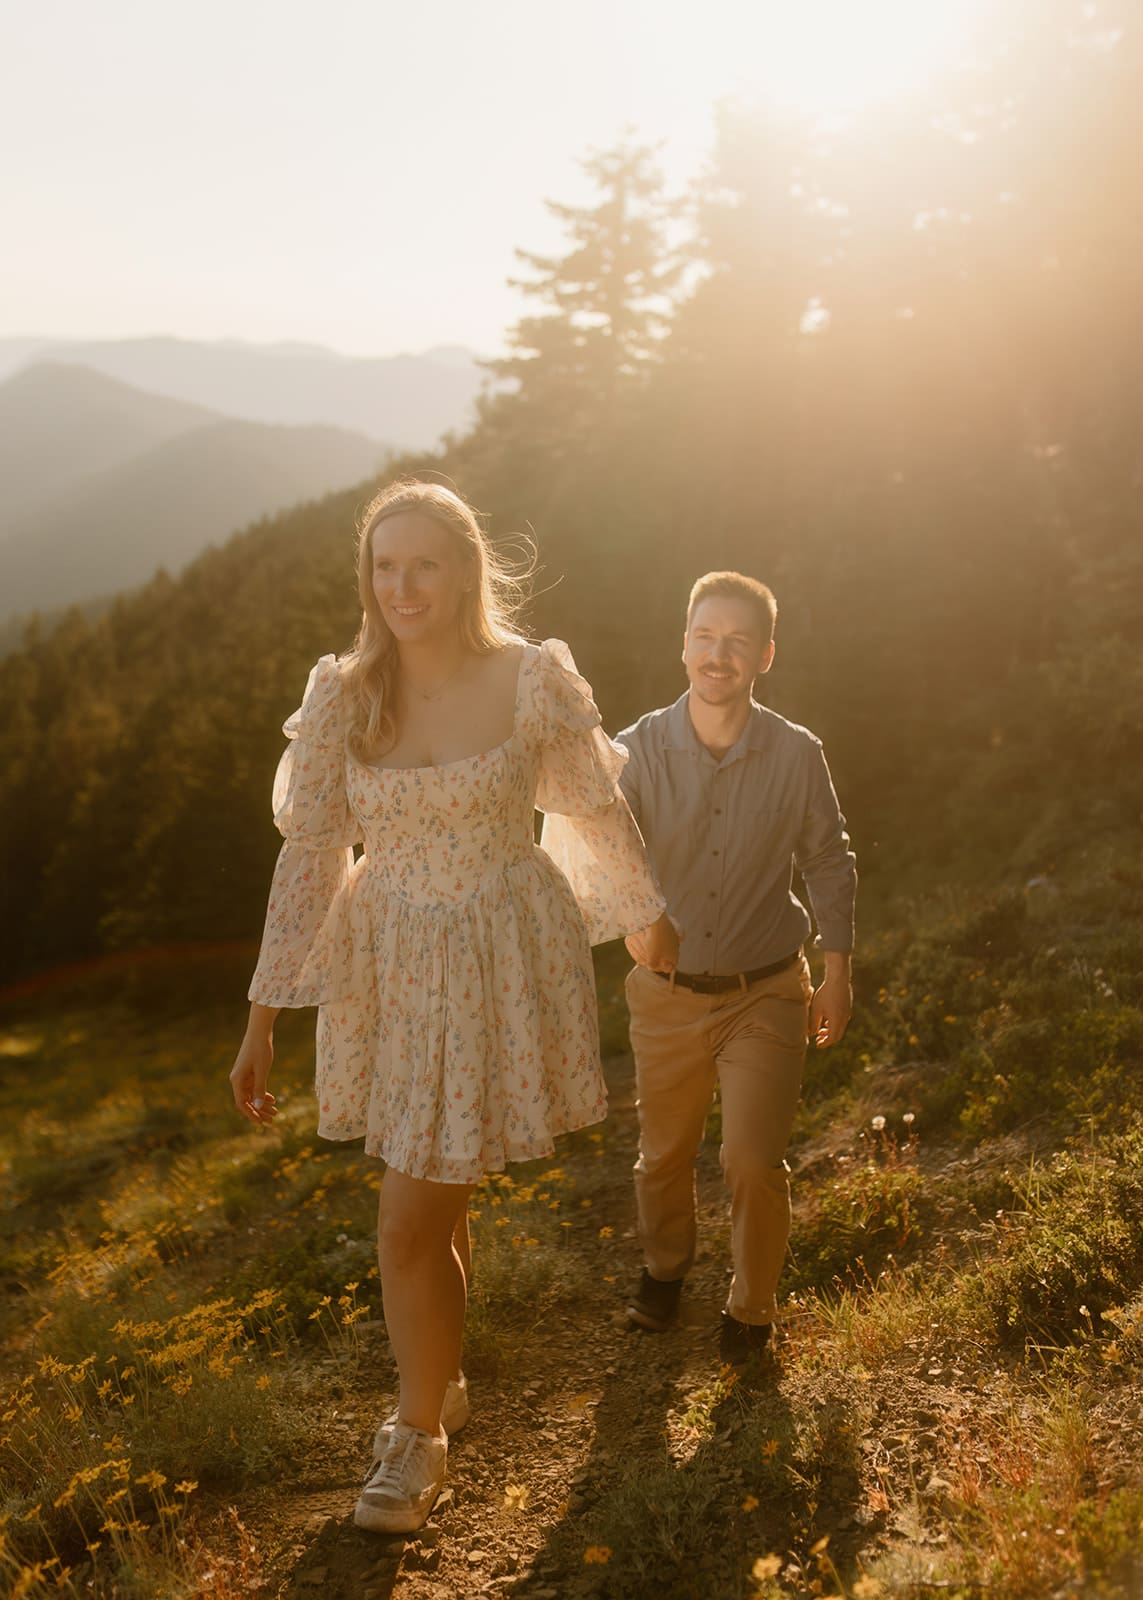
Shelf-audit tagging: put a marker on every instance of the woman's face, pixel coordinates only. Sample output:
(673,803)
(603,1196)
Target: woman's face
(419,577)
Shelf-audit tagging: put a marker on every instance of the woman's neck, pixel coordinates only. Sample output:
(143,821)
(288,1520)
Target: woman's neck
(427,666)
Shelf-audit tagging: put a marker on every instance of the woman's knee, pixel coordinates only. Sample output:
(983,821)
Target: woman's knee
(416,1220)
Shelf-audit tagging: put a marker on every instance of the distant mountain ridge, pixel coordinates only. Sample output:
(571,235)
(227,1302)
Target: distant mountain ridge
(409,400)
(130,482)
(60,423)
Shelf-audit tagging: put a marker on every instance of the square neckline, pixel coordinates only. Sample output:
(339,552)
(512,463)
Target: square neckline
(528,652)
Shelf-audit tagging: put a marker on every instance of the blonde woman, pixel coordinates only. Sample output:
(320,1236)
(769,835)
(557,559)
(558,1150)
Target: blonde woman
(450,962)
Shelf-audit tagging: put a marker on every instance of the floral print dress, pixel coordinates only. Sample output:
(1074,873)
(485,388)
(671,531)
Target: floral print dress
(451,961)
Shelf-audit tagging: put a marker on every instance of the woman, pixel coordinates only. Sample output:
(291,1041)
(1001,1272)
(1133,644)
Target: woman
(451,964)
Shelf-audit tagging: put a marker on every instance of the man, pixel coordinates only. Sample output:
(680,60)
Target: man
(730,797)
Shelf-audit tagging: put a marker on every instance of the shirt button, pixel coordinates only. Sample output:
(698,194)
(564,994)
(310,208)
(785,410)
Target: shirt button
(718,811)
(714,852)
(710,935)
(714,894)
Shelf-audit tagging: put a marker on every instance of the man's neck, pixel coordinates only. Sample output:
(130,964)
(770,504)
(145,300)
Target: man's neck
(718,728)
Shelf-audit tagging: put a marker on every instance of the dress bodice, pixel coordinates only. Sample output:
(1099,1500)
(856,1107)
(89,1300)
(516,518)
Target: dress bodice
(435,834)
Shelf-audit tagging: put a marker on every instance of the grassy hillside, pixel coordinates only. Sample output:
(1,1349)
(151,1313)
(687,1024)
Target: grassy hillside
(190,1318)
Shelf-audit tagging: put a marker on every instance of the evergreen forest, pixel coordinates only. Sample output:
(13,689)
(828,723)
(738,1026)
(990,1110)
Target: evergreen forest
(898,376)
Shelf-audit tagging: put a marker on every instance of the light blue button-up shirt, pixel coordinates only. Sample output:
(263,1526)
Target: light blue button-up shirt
(724,837)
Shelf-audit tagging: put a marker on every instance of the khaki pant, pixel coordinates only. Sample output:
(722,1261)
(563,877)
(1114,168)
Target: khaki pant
(753,1042)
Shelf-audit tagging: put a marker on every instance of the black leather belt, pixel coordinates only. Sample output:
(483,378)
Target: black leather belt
(702,984)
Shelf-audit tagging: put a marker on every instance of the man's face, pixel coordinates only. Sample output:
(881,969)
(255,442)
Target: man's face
(724,650)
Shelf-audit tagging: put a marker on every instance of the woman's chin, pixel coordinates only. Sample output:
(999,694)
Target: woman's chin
(409,627)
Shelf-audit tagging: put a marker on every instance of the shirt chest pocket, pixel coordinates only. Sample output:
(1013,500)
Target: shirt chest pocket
(772,831)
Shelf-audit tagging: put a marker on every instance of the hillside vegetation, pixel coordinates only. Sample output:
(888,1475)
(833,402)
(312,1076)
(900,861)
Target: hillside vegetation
(941,483)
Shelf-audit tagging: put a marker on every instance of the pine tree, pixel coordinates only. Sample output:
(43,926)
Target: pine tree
(605,311)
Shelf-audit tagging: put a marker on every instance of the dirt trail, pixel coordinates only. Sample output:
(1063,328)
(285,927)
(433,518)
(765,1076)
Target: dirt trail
(583,1394)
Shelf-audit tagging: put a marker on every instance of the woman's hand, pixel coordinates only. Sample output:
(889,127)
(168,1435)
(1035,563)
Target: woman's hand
(656,947)
(251,1070)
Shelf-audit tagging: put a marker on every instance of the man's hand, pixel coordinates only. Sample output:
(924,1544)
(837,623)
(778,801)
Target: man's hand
(656,947)
(832,1004)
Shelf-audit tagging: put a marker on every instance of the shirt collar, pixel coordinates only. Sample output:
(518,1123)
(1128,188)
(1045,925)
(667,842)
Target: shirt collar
(680,733)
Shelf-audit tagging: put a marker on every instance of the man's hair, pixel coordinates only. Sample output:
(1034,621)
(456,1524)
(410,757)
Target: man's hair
(736,586)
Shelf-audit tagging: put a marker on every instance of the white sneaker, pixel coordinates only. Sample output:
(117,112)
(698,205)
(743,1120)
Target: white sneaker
(401,1493)
(454,1414)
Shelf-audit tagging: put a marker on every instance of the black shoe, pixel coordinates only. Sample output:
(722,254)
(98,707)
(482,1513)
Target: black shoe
(655,1303)
(739,1342)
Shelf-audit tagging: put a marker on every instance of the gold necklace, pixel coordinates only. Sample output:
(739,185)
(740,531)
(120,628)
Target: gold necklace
(436,693)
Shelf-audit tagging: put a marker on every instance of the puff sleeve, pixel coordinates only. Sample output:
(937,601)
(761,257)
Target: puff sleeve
(311,810)
(588,829)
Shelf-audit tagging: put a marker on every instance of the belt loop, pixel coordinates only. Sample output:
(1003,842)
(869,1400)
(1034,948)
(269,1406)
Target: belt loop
(671,980)
(742,981)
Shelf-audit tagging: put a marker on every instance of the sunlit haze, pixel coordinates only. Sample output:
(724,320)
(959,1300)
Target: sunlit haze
(360,175)
(830,57)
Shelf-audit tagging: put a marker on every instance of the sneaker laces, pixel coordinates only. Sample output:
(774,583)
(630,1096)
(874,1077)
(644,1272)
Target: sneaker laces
(405,1451)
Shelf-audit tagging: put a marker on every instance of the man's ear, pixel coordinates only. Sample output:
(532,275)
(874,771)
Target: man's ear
(767,659)
(683,655)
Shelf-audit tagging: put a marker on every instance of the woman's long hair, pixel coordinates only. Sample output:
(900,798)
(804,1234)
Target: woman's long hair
(488,608)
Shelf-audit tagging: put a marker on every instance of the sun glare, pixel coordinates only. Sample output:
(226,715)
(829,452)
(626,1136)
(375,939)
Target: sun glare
(830,57)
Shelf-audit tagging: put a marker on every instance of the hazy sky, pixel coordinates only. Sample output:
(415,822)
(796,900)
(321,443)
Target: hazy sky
(357,172)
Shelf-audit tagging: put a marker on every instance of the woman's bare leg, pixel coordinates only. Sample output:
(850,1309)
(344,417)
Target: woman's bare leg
(423,1282)
(462,1243)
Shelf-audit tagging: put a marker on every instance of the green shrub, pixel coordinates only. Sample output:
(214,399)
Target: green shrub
(865,1212)
(1074,1250)
(1110,1539)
